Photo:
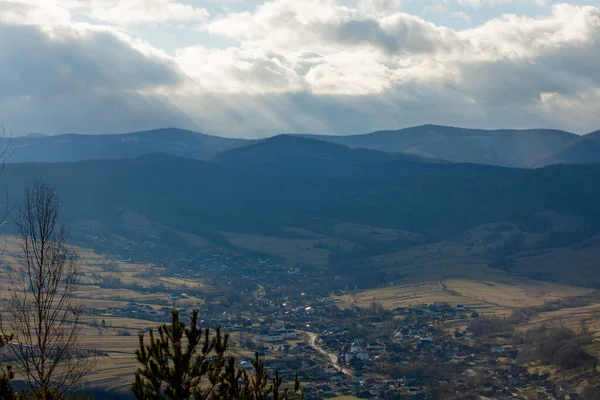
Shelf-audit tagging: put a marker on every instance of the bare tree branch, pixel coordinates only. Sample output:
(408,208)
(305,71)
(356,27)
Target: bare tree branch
(8,150)
(44,316)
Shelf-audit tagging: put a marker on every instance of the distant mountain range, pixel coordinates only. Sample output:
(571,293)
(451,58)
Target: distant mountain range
(586,149)
(508,148)
(292,155)
(284,184)
(293,181)
(75,147)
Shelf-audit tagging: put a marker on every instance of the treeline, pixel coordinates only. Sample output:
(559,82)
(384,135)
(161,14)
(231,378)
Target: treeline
(435,199)
(561,347)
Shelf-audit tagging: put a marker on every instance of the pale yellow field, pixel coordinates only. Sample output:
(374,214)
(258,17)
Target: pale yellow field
(571,317)
(119,337)
(455,272)
(492,296)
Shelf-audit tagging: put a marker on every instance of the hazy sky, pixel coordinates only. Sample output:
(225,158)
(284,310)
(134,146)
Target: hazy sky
(254,68)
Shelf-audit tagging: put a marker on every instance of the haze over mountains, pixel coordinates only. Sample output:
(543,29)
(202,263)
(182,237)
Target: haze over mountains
(510,148)
(431,184)
(267,187)
(75,147)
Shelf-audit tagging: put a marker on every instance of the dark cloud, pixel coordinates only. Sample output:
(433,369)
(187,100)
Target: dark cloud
(393,72)
(404,34)
(35,63)
(85,81)
(365,31)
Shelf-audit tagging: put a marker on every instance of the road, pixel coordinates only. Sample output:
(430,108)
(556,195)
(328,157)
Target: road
(312,342)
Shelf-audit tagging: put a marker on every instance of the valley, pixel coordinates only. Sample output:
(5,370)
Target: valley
(124,297)
(369,273)
(299,200)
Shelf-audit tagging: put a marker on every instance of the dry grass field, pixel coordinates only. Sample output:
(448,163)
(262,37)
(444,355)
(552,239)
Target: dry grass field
(492,296)
(457,272)
(118,338)
(450,271)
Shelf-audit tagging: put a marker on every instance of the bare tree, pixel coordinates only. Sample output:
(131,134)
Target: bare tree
(44,316)
(5,154)
(8,149)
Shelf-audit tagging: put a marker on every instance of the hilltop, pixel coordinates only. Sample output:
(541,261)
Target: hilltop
(506,147)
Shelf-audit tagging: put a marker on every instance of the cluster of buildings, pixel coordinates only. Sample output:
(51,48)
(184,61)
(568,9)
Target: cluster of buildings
(417,352)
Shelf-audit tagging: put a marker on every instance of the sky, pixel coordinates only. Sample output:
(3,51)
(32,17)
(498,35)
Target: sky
(250,68)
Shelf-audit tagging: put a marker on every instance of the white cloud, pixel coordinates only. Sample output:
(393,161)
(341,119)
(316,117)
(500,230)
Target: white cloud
(132,12)
(296,66)
(577,111)
(239,71)
(476,4)
(379,7)
(480,3)
(32,12)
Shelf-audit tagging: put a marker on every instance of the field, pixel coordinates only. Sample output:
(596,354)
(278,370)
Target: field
(488,297)
(456,271)
(453,271)
(118,336)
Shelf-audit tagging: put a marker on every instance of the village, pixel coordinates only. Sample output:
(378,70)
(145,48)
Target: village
(420,352)
(293,318)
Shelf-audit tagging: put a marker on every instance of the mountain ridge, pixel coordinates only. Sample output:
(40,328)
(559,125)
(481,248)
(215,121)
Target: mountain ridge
(502,147)
(521,148)
(79,147)
(584,150)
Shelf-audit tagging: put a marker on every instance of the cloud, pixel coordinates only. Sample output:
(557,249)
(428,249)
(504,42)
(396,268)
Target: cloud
(78,77)
(578,111)
(237,70)
(30,12)
(402,68)
(131,12)
(480,3)
(379,7)
(476,4)
(297,66)
(76,60)
(326,26)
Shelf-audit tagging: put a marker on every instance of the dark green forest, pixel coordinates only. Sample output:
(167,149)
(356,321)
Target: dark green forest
(314,186)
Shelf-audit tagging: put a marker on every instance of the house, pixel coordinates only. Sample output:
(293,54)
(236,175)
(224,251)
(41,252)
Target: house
(269,337)
(290,334)
(355,346)
(374,346)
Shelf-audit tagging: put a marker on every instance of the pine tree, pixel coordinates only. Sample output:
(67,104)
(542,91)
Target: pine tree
(7,392)
(185,362)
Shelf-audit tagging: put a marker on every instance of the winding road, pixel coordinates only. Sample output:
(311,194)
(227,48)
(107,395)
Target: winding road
(312,342)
